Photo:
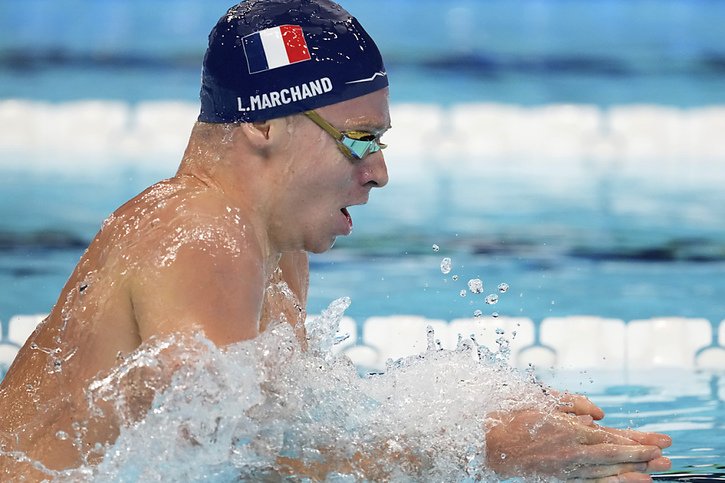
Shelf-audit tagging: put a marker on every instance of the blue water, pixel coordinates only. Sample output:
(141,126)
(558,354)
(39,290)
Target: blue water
(602,243)
(524,52)
(612,246)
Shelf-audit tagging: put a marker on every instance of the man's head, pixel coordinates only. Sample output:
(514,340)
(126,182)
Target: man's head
(272,58)
(298,90)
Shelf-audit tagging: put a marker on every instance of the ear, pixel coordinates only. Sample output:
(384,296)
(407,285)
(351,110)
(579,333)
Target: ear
(265,135)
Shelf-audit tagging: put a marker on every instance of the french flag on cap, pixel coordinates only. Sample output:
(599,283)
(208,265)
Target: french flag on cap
(275,47)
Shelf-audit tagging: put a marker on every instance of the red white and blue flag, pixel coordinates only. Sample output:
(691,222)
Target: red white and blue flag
(275,47)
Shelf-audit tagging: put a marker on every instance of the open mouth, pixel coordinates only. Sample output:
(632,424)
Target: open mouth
(347,216)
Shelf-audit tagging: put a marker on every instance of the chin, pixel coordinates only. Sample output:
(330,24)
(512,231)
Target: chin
(321,246)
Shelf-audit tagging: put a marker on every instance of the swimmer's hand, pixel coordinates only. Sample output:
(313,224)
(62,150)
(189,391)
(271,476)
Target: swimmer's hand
(576,404)
(566,446)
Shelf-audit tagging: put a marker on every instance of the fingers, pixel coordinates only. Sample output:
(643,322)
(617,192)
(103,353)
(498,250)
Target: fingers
(659,464)
(619,473)
(625,478)
(653,439)
(594,434)
(586,420)
(633,478)
(628,472)
(608,453)
(582,406)
(577,404)
(572,446)
(624,453)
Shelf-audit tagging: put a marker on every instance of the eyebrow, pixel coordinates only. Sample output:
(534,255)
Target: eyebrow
(367,127)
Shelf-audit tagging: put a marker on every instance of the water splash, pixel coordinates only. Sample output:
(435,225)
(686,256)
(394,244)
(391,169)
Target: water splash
(268,409)
(446,266)
(321,331)
(475,285)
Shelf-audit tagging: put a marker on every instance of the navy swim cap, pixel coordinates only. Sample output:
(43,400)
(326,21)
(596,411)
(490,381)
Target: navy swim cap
(272,58)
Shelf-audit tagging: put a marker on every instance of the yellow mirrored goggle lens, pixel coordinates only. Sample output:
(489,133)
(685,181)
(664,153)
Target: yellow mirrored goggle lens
(354,144)
(360,143)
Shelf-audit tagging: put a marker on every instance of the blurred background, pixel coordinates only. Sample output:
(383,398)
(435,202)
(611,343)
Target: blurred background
(572,150)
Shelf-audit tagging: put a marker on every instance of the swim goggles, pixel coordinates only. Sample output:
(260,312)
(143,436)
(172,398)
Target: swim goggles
(355,145)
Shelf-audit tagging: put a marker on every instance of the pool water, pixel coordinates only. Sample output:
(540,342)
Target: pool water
(690,410)
(571,150)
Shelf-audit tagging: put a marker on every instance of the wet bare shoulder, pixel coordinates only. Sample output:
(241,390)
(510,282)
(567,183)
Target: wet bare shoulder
(198,267)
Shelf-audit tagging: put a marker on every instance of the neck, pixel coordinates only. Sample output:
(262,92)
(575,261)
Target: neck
(238,175)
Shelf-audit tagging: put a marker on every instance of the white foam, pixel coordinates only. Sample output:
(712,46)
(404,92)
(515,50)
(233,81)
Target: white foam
(496,333)
(400,335)
(231,413)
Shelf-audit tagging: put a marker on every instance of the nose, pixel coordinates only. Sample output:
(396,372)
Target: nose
(373,170)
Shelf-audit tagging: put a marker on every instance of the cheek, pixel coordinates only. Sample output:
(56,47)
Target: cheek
(318,169)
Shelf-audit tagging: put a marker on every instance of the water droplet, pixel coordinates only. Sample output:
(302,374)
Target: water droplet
(503,287)
(475,285)
(477,313)
(462,293)
(430,336)
(454,278)
(61,435)
(436,247)
(494,315)
(446,265)
(503,456)
(491,299)
(33,346)
(500,331)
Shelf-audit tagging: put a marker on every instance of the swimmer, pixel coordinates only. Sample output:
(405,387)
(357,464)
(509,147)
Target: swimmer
(294,103)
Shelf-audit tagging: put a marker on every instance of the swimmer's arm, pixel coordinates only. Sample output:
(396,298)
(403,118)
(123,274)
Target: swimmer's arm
(524,443)
(370,467)
(203,286)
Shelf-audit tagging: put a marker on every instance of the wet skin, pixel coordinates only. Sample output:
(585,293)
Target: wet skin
(201,252)
(197,252)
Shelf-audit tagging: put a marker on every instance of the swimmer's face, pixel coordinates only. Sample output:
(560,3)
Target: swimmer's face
(322,181)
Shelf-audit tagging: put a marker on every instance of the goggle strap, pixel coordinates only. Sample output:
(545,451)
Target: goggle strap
(329,128)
